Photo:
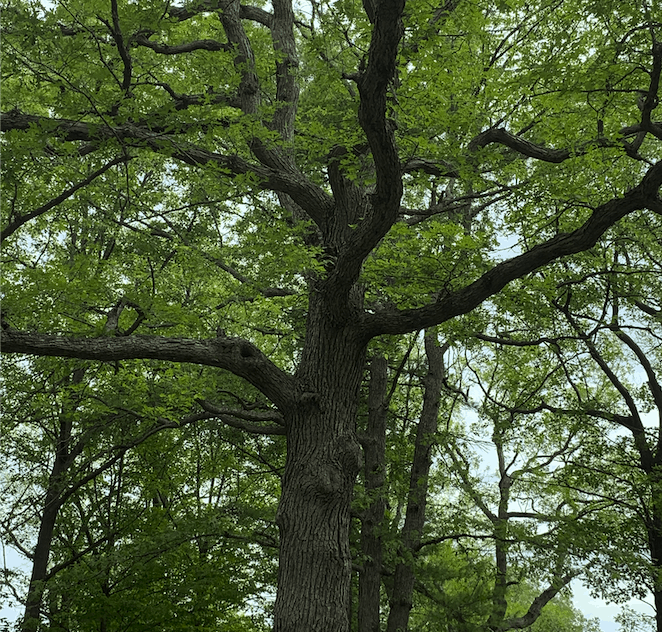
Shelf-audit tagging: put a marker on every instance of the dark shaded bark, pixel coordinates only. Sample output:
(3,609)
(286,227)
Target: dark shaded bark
(655,544)
(323,459)
(403,582)
(374,450)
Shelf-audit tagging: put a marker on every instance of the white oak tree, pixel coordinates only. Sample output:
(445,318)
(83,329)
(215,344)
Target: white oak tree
(271,188)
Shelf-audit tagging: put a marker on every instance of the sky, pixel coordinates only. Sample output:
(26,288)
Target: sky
(606,613)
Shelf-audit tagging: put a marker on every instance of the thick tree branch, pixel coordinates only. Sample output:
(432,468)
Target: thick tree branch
(373,82)
(462,301)
(308,196)
(255,14)
(116,32)
(652,99)
(538,604)
(188,47)
(531,150)
(287,63)
(233,354)
(244,61)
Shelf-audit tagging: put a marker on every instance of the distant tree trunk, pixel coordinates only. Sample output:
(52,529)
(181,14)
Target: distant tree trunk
(31,617)
(403,583)
(374,450)
(500,529)
(323,459)
(52,503)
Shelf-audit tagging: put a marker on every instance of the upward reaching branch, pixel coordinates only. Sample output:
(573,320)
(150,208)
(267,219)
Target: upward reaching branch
(373,82)
(643,196)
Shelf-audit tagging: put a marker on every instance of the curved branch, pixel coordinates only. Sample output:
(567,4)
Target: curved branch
(373,82)
(643,196)
(232,354)
(531,150)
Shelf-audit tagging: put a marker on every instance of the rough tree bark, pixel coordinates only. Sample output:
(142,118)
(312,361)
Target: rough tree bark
(323,459)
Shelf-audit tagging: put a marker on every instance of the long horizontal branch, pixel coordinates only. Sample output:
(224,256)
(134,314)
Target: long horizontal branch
(311,198)
(501,136)
(233,354)
(462,301)
(188,47)
(512,342)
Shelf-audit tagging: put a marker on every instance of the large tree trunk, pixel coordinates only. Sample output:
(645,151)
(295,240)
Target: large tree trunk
(323,459)
(654,529)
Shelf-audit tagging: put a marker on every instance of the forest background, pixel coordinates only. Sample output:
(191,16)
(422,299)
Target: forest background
(278,279)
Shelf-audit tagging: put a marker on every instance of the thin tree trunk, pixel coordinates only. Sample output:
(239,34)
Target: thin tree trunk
(52,504)
(31,617)
(500,525)
(403,582)
(374,450)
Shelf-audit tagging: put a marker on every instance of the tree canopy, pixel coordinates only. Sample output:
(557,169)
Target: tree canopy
(259,239)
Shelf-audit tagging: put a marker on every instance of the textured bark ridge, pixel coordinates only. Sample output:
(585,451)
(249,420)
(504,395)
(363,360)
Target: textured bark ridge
(403,582)
(374,449)
(323,459)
